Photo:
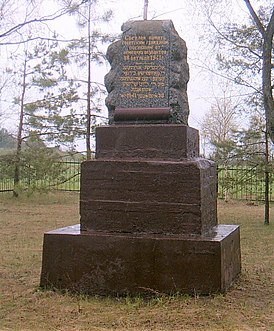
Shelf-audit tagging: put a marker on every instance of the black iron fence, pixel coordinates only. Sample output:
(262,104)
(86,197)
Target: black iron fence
(244,183)
(241,182)
(65,178)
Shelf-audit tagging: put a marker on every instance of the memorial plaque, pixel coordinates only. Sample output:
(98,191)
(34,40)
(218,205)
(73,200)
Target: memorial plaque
(149,73)
(145,70)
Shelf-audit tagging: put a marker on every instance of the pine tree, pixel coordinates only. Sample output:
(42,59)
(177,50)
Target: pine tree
(86,51)
(45,102)
(246,53)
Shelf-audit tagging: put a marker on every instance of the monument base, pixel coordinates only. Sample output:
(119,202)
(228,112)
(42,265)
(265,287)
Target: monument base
(121,264)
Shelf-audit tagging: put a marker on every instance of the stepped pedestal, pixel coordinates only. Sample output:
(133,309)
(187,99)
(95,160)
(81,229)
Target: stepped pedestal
(148,219)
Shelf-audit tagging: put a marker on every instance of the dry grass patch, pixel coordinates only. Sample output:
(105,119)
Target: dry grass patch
(247,306)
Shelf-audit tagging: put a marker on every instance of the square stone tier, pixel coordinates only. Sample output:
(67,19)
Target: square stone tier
(161,142)
(148,196)
(111,264)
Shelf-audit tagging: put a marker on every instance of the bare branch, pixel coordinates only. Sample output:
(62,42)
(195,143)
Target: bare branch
(255,18)
(232,79)
(43,19)
(168,12)
(232,41)
(33,39)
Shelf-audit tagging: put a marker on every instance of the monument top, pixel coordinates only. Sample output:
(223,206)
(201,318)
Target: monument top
(149,74)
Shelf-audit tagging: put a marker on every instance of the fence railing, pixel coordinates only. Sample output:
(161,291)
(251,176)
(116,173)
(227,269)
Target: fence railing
(244,183)
(67,178)
(70,178)
(241,182)
(6,185)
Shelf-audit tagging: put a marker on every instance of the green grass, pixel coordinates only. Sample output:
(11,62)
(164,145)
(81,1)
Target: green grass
(247,306)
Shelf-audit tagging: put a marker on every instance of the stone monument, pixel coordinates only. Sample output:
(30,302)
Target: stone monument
(148,203)
(149,74)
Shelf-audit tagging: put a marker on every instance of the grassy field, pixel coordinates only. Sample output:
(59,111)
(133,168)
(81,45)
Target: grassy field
(247,306)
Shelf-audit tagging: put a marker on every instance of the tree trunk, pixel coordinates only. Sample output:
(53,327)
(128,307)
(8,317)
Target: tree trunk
(267,82)
(88,148)
(266,195)
(16,179)
(267,35)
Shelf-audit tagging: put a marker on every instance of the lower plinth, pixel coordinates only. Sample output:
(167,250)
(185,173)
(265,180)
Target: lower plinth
(120,264)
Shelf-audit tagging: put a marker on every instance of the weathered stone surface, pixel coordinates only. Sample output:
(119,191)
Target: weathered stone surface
(148,196)
(148,70)
(133,115)
(158,142)
(108,264)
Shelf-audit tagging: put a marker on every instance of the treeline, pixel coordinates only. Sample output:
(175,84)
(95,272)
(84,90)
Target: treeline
(7,141)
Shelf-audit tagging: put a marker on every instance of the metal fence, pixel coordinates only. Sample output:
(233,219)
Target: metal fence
(244,183)
(241,182)
(66,179)
(69,180)
(6,185)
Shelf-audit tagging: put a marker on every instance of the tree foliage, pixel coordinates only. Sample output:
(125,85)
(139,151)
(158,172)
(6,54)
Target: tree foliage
(246,52)
(86,50)
(20,17)
(7,141)
(39,166)
(45,100)
(49,95)
(218,125)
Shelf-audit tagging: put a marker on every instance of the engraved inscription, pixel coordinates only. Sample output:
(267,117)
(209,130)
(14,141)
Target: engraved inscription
(144,75)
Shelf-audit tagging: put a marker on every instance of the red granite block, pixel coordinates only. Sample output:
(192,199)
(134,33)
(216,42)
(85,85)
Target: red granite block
(148,196)
(161,142)
(120,264)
